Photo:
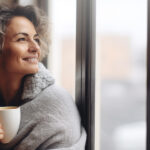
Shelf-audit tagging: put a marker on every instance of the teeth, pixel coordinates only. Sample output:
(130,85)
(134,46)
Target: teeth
(32,60)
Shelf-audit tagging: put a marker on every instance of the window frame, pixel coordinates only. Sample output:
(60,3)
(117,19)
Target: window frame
(85,66)
(148,80)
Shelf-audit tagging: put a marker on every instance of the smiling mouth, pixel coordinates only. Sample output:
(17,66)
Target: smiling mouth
(31,60)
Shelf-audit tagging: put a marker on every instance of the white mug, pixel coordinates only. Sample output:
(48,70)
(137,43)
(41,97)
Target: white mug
(10,120)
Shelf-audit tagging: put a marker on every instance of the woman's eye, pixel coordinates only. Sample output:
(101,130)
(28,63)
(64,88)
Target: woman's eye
(21,39)
(38,41)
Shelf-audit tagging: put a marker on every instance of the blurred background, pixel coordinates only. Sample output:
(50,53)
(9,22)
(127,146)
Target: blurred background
(121,42)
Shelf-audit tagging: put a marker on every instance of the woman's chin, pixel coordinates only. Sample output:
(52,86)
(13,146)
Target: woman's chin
(32,70)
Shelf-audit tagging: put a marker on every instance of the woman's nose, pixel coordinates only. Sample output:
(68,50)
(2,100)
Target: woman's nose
(34,46)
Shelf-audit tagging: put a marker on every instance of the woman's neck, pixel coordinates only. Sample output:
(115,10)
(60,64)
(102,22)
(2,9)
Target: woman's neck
(9,86)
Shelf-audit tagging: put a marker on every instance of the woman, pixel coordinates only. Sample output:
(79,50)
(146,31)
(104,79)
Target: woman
(49,117)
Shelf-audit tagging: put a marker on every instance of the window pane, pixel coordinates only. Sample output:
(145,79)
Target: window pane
(61,60)
(121,73)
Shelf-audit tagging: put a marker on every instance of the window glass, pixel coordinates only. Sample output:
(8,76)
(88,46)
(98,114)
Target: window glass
(121,74)
(61,60)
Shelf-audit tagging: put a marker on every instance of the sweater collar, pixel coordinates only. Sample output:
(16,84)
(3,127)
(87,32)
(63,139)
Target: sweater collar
(34,84)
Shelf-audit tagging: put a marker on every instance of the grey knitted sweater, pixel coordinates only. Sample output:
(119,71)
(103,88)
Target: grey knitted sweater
(49,117)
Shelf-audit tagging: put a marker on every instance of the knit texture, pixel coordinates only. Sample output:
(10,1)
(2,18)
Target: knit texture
(49,117)
(34,84)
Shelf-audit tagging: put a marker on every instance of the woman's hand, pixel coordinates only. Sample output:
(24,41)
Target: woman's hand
(1,132)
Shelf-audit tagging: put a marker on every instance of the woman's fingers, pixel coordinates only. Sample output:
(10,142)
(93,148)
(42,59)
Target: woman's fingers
(1,132)
(1,136)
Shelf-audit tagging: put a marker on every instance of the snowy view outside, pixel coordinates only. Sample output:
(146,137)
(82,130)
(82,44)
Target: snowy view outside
(121,40)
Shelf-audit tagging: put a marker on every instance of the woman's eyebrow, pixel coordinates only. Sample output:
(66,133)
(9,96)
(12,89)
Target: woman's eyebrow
(36,35)
(22,33)
(25,34)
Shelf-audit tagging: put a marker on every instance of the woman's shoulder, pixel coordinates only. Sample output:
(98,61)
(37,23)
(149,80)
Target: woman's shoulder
(54,111)
(55,106)
(58,93)
(59,98)
(57,102)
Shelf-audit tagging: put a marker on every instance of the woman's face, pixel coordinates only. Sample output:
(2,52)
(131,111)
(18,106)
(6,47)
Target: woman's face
(21,49)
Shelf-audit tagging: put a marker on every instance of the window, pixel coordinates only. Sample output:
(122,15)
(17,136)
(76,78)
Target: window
(61,60)
(121,42)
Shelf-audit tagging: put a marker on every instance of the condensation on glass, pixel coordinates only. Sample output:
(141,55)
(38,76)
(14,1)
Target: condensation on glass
(61,60)
(121,73)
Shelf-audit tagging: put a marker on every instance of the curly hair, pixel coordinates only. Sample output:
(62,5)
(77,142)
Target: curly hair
(34,14)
